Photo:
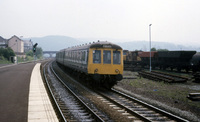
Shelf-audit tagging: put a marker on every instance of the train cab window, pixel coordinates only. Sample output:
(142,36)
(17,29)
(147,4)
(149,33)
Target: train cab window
(116,57)
(97,56)
(107,57)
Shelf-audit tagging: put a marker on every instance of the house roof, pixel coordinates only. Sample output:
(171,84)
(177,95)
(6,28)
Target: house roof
(16,37)
(2,39)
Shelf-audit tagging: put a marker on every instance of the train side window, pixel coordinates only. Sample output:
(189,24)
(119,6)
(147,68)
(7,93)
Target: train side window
(107,57)
(97,56)
(116,57)
(83,56)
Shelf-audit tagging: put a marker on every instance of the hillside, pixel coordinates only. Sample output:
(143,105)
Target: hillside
(144,45)
(56,43)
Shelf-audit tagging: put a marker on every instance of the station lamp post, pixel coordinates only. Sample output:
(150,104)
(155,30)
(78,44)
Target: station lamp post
(150,46)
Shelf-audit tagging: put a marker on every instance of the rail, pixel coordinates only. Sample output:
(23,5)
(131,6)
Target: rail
(160,76)
(77,105)
(56,105)
(136,109)
(150,107)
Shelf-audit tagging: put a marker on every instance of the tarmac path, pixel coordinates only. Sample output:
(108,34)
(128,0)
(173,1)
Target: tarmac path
(14,92)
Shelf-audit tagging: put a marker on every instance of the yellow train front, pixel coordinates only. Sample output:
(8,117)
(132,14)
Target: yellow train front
(102,62)
(105,63)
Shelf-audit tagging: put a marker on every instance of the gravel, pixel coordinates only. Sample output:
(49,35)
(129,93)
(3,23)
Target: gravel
(91,98)
(170,97)
(150,92)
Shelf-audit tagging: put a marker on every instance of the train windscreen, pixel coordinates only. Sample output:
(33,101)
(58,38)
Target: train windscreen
(97,56)
(107,57)
(116,57)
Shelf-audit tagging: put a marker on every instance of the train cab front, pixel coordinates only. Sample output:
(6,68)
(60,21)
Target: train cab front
(106,63)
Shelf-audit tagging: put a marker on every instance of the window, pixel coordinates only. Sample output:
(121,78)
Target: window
(83,56)
(116,57)
(97,56)
(107,57)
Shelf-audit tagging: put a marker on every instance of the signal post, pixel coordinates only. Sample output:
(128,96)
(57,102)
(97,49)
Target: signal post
(34,50)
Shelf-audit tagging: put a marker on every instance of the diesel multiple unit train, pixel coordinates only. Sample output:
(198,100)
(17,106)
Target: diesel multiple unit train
(101,62)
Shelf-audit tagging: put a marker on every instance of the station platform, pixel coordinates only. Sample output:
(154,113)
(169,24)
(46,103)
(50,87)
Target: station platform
(39,106)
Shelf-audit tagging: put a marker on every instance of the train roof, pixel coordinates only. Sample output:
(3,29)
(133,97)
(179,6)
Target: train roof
(104,44)
(99,44)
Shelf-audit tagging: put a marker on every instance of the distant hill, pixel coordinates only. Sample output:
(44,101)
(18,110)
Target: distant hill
(128,44)
(56,43)
(144,45)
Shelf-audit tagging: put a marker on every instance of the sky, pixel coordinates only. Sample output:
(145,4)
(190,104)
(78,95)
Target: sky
(176,21)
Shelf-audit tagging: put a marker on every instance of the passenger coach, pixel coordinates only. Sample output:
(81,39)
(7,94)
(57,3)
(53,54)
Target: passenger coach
(102,61)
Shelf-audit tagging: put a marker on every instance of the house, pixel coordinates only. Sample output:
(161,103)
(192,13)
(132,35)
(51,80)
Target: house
(17,45)
(28,45)
(3,42)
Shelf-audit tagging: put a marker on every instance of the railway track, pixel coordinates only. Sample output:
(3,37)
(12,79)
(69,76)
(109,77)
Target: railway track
(160,76)
(68,105)
(135,109)
(71,108)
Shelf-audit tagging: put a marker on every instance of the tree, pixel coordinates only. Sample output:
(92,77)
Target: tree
(153,49)
(10,52)
(6,52)
(29,53)
(39,52)
(162,50)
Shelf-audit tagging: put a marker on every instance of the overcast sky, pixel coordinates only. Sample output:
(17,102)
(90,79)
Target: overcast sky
(176,21)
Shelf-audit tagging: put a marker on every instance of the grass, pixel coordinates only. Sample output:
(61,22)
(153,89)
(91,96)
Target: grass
(5,62)
(161,88)
(174,95)
(29,58)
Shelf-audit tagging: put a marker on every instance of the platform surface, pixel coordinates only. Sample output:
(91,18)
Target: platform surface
(14,92)
(39,106)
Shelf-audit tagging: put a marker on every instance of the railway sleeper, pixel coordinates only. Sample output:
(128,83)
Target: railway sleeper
(147,112)
(160,119)
(152,115)
(139,109)
(194,96)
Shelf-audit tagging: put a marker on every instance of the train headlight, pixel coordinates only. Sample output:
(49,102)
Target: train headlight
(96,70)
(117,71)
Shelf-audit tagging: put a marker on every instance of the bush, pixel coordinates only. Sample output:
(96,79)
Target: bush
(6,52)
(29,53)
